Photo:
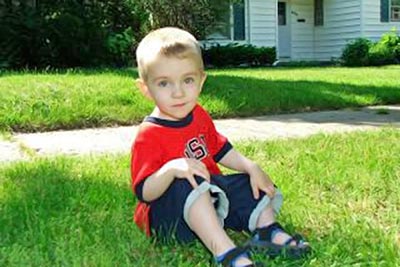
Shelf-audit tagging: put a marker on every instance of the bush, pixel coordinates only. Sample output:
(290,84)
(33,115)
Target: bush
(57,33)
(356,53)
(363,52)
(237,55)
(119,45)
(380,54)
(392,41)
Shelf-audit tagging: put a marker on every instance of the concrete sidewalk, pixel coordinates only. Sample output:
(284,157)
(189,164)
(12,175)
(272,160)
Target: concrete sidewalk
(116,140)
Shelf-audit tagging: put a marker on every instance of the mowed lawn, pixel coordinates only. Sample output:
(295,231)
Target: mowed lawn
(70,99)
(341,191)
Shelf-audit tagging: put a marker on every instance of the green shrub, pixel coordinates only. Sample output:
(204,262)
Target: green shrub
(392,41)
(380,54)
(356,53)
(58,33)
(236,55)
(385,50)
(362,52)
(119,45)
(396,52)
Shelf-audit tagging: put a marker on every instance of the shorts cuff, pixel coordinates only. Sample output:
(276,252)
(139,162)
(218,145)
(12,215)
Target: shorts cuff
(223,203)
(276,203)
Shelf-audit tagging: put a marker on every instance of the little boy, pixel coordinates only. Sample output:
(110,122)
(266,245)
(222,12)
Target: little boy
(181,191)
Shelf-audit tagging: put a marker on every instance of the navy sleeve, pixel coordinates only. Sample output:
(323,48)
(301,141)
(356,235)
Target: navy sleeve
(222,152)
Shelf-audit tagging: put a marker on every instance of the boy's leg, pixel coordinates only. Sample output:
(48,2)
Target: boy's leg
(257,216)
(246,212)
(204,222)
(267,218)
(182,213)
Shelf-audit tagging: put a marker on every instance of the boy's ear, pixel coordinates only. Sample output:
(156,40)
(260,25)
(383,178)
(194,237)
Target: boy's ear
(203,79)
(143,88)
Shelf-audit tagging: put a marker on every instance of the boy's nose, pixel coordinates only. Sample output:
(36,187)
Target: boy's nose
(178,92)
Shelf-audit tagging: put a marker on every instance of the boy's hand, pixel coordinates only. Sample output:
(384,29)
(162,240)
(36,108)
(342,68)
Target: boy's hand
(185,168)
(259,180)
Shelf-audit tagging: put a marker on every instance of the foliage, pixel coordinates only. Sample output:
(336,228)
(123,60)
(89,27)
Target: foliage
(198,17)
(68,33)
(356,53)
(235,55)
(363,52)
(384,52)
(119,46)
(380,54)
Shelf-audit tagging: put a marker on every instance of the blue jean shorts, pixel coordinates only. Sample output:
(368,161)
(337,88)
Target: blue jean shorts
(233,200)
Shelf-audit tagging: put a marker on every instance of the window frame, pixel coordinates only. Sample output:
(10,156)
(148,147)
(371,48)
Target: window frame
(319,14)
(391,11)
(219,36)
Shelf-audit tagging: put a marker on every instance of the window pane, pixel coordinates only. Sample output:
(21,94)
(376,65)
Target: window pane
(223,28)
(384,10)
(281,13)
(395,10)
(238,21)
(318,12)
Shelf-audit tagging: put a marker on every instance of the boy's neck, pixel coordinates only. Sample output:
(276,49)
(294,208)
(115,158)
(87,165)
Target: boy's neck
(157,113)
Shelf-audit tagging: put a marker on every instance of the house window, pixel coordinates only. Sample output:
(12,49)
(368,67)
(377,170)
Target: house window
(318,12)
(281,13)
(238,21)
(395,10)
(232,26)
(390,10)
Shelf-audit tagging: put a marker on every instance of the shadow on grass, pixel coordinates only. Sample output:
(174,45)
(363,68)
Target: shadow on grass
(53,214)
(277,97)
(224,96)
(77,212)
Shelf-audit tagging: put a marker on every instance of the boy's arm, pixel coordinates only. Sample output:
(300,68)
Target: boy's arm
(259,180)
(182,168)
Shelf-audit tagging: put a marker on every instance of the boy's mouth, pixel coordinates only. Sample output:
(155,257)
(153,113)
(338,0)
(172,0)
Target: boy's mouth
(179,105)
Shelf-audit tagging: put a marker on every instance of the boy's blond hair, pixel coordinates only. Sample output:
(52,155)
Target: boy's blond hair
(168,42)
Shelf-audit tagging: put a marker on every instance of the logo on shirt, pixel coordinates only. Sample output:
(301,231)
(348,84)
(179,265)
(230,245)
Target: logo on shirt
(196,148)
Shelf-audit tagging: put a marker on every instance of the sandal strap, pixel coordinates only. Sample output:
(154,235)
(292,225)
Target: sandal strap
(232,255)
(267,233)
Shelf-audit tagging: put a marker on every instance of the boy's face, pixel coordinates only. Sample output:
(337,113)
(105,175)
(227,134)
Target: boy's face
(174,85)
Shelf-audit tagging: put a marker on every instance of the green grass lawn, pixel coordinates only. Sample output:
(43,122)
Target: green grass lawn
(341,191)
(89,98)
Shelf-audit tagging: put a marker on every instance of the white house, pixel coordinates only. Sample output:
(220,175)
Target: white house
(311,30)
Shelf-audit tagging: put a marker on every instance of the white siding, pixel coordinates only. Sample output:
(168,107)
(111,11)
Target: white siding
(262,22)
(372,27)
(342,23)
(302,32)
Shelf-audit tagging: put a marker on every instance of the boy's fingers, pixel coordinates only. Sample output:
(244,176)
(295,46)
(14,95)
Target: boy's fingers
(256,193)
(269,192)
(202,172)
(192,181)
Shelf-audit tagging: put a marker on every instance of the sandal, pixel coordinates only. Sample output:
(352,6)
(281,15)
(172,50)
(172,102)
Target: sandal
(271,249)
(232,255)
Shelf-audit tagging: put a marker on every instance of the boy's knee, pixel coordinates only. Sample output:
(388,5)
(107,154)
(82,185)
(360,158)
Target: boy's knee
(265,202)
(219,199)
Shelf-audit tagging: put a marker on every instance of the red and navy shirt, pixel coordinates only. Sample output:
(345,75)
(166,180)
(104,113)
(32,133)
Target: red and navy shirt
(159,141)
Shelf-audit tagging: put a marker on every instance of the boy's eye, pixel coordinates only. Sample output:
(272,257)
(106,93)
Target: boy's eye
(163,83)
(189,80)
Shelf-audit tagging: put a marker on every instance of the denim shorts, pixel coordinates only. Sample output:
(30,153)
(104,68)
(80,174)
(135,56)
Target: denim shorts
(233,201)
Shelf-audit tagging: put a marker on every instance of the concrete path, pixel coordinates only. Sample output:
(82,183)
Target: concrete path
(116,140)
